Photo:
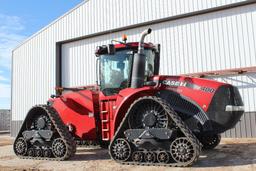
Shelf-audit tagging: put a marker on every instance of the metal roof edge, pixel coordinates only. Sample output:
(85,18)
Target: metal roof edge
(51,23)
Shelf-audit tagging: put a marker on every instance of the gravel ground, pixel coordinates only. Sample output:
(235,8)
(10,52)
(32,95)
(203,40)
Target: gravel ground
(230,155)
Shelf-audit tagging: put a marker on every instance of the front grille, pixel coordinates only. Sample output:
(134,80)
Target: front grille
(221,119)
(184,106)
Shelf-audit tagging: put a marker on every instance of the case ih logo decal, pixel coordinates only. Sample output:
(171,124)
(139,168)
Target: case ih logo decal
(173,83)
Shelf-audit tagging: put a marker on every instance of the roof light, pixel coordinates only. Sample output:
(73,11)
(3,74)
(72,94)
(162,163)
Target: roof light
(124,37)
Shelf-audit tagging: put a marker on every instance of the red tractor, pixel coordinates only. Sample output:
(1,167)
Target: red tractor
(141,116)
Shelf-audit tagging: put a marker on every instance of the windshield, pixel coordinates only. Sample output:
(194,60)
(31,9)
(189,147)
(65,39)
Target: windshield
(115,70)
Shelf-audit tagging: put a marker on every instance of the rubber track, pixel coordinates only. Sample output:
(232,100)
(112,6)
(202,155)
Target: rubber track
(63,132)
(179,123)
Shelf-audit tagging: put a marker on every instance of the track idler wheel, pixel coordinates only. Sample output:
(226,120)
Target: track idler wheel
(163,157)
(137,156)
(59,148)
(150,157)
(121,149)
(183,151)
(20,146)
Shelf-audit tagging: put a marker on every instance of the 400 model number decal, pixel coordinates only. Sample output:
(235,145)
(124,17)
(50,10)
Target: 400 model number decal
(173,83)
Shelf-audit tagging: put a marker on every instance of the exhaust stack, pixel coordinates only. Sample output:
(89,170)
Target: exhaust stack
(138,69)
(143,35)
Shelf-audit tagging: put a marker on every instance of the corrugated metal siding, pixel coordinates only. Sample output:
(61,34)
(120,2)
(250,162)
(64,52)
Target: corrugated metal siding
(15,127)
(245,128)
(207,42)
(5,120)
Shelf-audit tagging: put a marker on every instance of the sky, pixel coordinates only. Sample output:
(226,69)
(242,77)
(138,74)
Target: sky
(20,19)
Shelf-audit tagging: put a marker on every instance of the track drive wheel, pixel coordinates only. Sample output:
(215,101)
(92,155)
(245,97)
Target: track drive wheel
(148,113)
(183,151)
(211,141)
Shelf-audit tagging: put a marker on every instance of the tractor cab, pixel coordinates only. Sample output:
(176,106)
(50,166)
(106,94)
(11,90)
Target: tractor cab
(121,66)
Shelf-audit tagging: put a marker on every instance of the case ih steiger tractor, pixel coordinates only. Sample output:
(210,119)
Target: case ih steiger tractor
(141,116)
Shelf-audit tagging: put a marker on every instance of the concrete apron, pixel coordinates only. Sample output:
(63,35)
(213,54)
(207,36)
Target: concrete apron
(230,155)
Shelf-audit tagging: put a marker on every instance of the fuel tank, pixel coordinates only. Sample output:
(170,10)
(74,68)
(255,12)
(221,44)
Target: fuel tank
(219,104)
(78,109)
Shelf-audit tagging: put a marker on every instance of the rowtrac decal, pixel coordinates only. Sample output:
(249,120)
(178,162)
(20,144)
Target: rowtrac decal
(173,83)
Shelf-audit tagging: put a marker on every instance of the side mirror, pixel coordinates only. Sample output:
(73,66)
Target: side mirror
(105,49)
(98,51)
(111,49)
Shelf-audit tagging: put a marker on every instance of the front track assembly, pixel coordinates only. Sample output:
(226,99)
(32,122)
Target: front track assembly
(155,140)
(44,136)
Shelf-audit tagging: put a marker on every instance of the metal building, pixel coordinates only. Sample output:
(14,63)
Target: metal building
(195,36)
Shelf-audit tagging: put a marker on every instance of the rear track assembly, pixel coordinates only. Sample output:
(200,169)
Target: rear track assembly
(60,145)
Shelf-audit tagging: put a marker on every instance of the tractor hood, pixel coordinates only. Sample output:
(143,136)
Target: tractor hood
(199,90)
(220,101)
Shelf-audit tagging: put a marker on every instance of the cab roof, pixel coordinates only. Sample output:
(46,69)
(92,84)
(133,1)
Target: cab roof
(133,45)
